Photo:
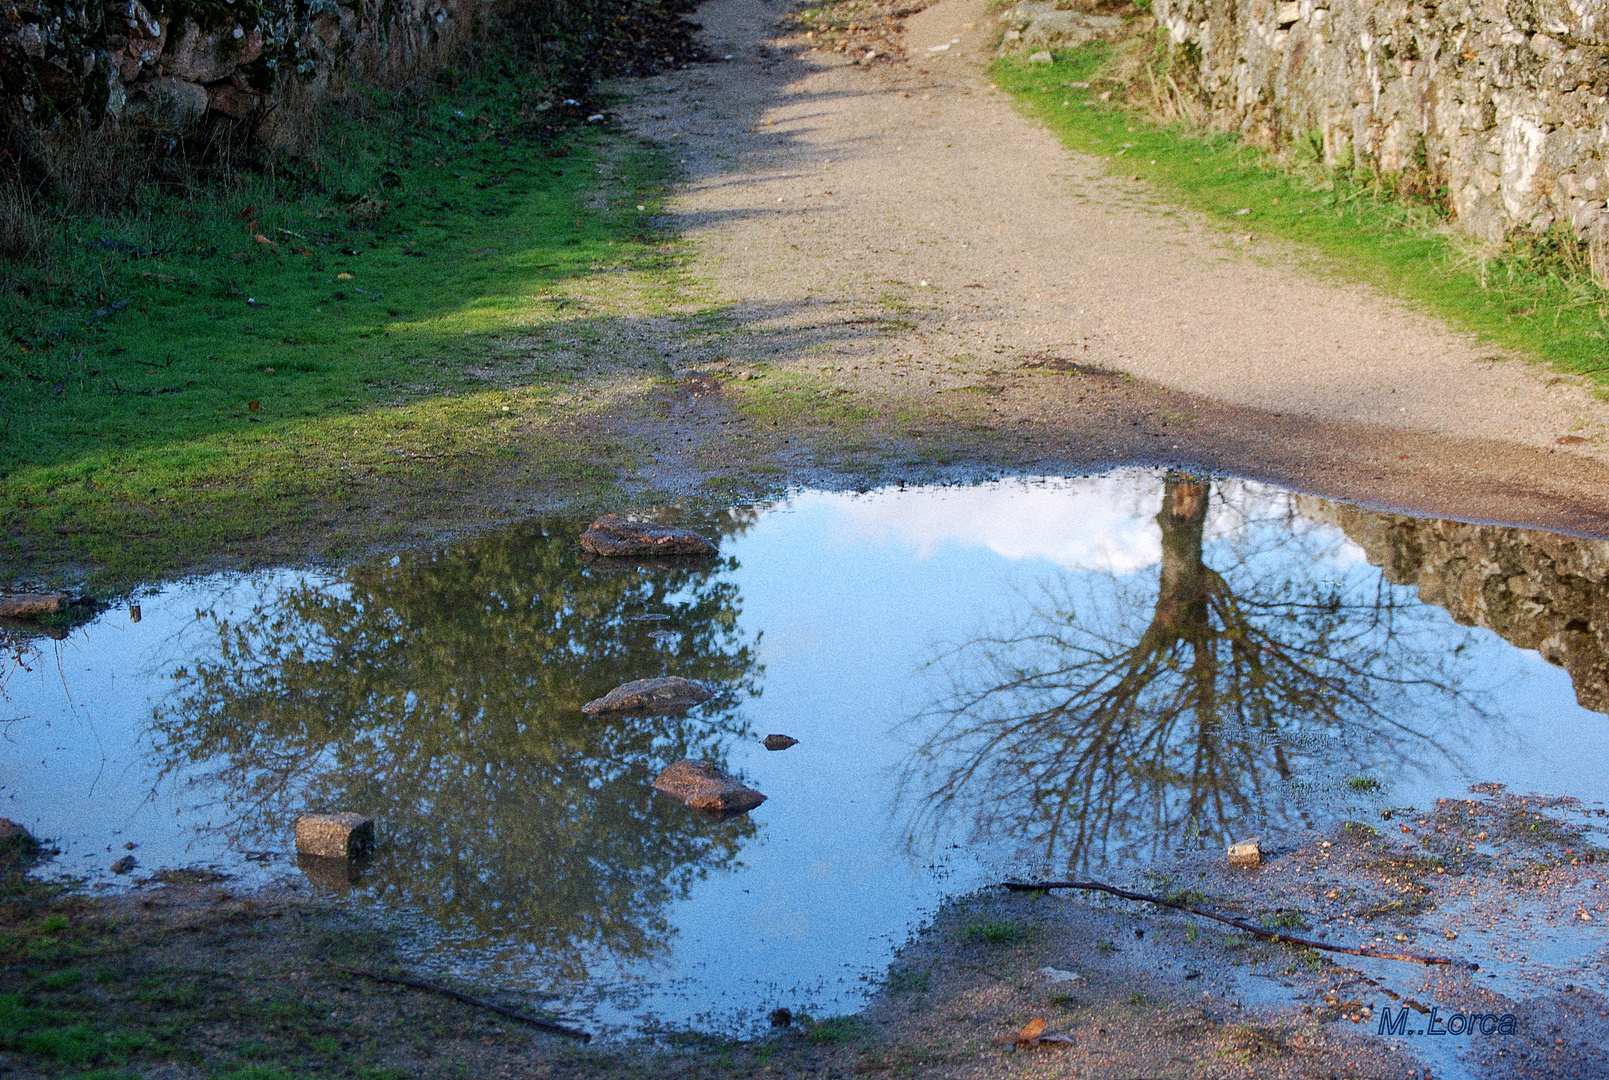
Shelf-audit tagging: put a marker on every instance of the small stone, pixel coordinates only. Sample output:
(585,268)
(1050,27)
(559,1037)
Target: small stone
(703,786)
(779,742)
(32,605)
(1042,57)
(781,1018)
(665,695)
(613,537)
(1247,853)
(124,865)
(334,836)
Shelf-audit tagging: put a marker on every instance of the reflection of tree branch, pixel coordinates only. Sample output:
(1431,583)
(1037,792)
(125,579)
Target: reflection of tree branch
(441,693)
(1076,734)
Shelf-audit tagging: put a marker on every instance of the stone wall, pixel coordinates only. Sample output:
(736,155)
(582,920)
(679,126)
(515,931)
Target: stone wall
(1506,102)
(127,60)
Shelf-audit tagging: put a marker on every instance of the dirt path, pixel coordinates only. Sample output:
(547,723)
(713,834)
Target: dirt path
(900,231)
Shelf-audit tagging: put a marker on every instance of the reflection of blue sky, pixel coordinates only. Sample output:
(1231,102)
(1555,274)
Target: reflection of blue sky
(852,593)
(1080,523)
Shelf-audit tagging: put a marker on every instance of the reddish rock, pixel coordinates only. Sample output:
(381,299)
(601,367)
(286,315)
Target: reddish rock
(669,694)
(231,101)
(703,786)
(32,605)
(612,536)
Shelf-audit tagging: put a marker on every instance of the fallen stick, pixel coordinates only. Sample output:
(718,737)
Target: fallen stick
(1256,931)
(514,1014)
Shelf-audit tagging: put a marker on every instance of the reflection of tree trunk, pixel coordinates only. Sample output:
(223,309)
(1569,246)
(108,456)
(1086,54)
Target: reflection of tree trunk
(1181,603)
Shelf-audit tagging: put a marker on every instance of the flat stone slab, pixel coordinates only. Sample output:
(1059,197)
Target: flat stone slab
(334,836)
(669,694)
(32,605)
(703,786)
(613,537)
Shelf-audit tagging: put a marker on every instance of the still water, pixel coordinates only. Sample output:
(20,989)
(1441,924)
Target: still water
(1025,677)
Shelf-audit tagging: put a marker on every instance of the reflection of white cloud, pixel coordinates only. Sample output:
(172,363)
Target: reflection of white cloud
(1096,523)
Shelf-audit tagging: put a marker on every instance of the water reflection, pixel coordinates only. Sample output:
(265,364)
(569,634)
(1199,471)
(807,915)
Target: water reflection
(441,693)
(1126,714)
(1539,590)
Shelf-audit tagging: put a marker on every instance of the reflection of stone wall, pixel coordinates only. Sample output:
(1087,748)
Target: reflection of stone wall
(1539,590)
(1504,101)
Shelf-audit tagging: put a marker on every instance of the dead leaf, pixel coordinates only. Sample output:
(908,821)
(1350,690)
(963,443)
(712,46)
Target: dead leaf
(1569,440)
(261,239)
(1031,1030)
(158,277)
(344,276)
(254,405)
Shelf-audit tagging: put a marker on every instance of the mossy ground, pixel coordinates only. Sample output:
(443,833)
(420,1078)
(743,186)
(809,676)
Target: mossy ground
(1532,296)
(352,345)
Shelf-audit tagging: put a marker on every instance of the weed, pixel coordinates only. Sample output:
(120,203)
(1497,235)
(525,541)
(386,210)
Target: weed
(1361,830)
(908,980)
(1365,784)
(982,930)
(1286,920)
(840,1031)
(1191,933)
(1106,947)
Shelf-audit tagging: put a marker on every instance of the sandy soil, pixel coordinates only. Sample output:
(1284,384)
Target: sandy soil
(900,232)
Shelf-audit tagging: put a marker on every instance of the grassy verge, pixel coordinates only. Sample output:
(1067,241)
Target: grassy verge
(1532,295)
(410,312)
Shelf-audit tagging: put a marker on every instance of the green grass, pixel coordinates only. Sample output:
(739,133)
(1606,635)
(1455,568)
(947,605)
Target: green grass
(840,1031)
(176,388)
(986,931)
(1532,296)
(60,1035)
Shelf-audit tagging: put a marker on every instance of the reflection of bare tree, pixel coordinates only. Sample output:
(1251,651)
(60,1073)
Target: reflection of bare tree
(16,654)
(441,692)
(1095,727)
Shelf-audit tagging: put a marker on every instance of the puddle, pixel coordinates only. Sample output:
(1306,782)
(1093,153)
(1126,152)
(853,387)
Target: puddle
(1026,677)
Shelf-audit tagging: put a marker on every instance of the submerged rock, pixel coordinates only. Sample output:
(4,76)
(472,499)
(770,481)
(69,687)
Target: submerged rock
(334,836)
(779,742)
(32,605)
(613,537)
(703,786)
(669,694)
(125,865)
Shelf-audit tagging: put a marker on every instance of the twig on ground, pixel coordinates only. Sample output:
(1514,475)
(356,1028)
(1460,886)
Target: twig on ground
(513,1014)
(1256,931)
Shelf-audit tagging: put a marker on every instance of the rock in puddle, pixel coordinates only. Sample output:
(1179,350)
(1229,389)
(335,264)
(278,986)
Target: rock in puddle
(779,742)
(334,836)
(703,786)
(614,537)
(32,605)
(671,693)
(1248,854)
(125,865)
